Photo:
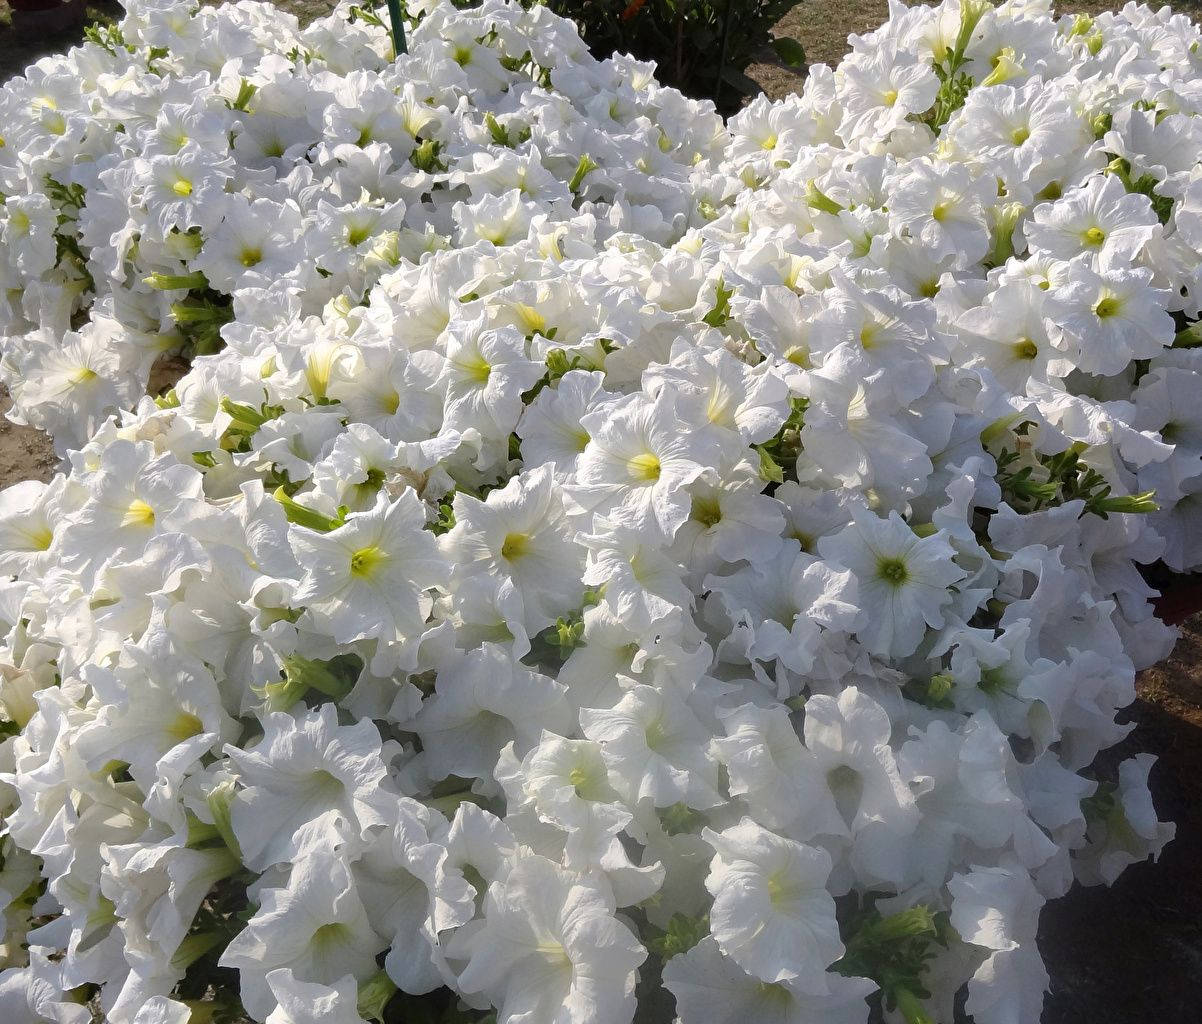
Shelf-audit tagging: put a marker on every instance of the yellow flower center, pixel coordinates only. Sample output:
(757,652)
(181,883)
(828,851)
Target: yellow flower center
(644,467)
(42,537)
(515,546)
(799,356)
(329,935)
(184,726)
(83,375)
(138,514)
(366,561)
(477,368)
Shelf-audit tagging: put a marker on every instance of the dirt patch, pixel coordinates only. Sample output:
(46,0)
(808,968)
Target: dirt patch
(25,453)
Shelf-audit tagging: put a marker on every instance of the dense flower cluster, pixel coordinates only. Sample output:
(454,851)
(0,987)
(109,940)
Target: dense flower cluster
(600,558)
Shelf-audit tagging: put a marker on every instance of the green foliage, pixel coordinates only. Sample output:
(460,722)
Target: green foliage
(778,455)
(554,644)
(681,818)
(200,318)
(1144,185)
(307,517)
(934,693)
(694,45)
(333,679)
(1038,481)
(954,84)
(894,951)
(105,32)
(682,934)
(246,422)
(70,201)
(720,313)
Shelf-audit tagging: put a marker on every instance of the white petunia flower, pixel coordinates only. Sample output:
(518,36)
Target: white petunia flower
(315,926)
(1099,219)
(308,782)
(655,748)
(776,775)
(519,534)
(33,994)
(849,737)
(485,372)
(371,576)
(300,1002)
(480,703)
(772,913)
(639,459)
(711,988)
(551,949)
(411,894)
(998,908)
(903,580)
(1110,318)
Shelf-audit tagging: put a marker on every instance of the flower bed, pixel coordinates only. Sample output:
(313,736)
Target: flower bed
(599,558)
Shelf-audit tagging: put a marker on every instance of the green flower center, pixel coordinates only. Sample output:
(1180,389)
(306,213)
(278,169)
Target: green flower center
(1025,349)
(707,511)
(893,571)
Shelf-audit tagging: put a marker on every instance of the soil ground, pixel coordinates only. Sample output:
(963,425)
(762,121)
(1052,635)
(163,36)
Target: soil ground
(1130,953)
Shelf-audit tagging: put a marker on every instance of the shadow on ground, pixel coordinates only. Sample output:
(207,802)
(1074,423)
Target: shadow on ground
(1134,952)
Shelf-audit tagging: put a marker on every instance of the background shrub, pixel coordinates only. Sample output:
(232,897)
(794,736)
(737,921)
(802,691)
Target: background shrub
(702,47)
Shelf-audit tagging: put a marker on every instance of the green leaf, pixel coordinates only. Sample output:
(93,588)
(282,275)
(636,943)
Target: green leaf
(790,51)
(737,80)
(770,469)
(374,995)
(177,282)
(219,800)
(894,952)
(682,934)
(680,817)
(304,516)
(720,313)
(584,167)
(246,92)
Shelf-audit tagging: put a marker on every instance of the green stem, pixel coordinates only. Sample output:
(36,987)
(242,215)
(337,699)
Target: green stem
(398,27)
